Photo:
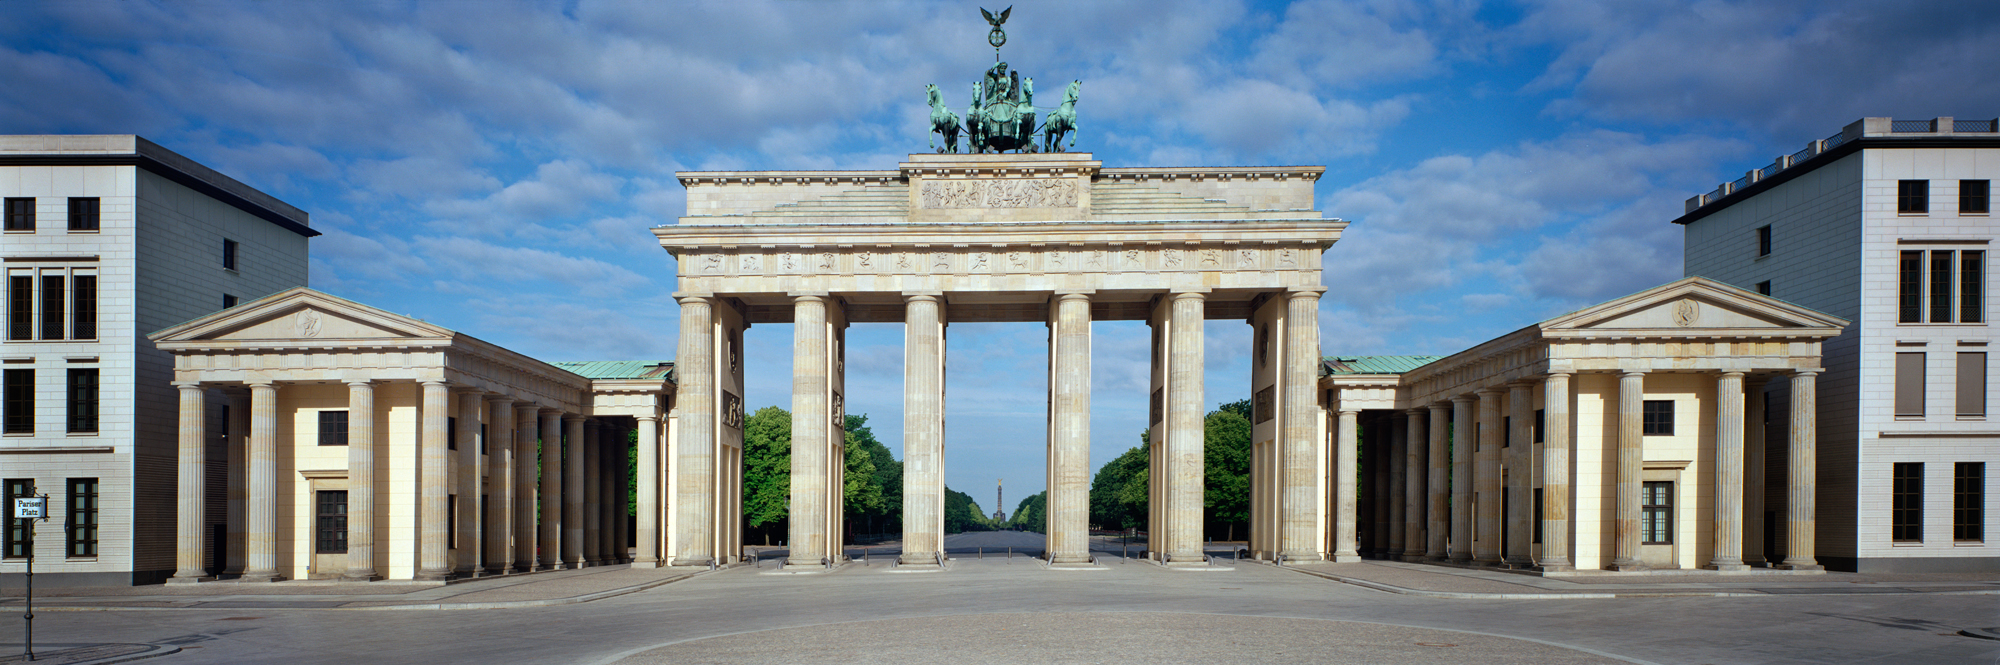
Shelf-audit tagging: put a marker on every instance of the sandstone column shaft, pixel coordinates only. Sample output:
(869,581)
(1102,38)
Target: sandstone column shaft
(695,464)
(1068,498)
(433,563)
(1413,488)
(1631,465)
(189,520)
(808,519)
(1464,428)
(466,543)
(1520,475)
(239,477)
(1185,433)
(1346,486)
(1486,544)
(593,493)
(551,508)
(1298,397)
(923,429)
(574,461)
(1397,446)
(1555,473)
(618,533)
(360,482)
(647,552)
(1438,489)
(1728,473)
(1754,448)
(527,483)
(499,556)
(1380,430)
(1802,474)
(261,538)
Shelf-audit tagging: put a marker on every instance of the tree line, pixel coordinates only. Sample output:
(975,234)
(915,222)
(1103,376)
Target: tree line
(1119,494)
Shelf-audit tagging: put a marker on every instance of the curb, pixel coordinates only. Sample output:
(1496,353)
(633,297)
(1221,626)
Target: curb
(493,605)
(1462,595)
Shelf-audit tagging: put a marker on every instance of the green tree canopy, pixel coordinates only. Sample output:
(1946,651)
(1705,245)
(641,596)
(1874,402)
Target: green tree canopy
(1226,465)
(879,507)
(767,466)
(1118,495)
(961,513)
(1031,514)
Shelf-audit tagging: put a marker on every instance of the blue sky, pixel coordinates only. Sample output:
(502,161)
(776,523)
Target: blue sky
(493,166)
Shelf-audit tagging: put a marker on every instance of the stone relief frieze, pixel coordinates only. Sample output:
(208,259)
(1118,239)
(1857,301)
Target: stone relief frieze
(750,262)
(1009,193)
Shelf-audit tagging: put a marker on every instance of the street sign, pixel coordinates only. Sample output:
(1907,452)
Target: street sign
(31,508)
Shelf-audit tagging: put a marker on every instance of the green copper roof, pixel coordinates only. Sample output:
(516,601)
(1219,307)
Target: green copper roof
(620,369)
(1337,365)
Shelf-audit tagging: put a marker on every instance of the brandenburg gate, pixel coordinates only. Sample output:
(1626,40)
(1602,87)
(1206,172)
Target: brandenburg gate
(1047,237)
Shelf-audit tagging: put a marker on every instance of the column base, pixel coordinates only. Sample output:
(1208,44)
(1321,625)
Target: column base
(497,569)
(1517,561)
(917,559)
(369,576)
(1346,558)
(1414,558)
(1799,566)
(1563,566)
(1070,558)
(432,576)
(1726,566)
(1628,566)
(259,578)
(646,563)
(178,580)
(692,562)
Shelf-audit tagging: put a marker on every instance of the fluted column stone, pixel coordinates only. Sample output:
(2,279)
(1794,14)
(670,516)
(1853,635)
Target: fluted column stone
(189,518)
(499,529)
(360,482)
(574,463)
(1346,484)
(1438,488)
(433,563)
(1069,468)
(550,534)
(1801,472)
(1185,432)
(466,544)
(261,536)
(1555,473)
(1728,520)
(1486,546)
(647,532)
(593,493)
(1413,488)
(810,543)
(1631,467)
(527,484)
(1520,476)
(923,429)
(694,452)
(1298,398)
(1464,426)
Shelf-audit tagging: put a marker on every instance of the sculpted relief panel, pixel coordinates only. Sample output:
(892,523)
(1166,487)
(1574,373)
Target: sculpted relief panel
(1012,193)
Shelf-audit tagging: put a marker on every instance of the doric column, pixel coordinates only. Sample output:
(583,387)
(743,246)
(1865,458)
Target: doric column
(499,556)
(1184,431)
(1413,488)
(808,518)
(619,531)
(1380,431)
(239,477)
(433,563)
(1299,379)
(574,459)
(261,537)
(189,520)
(694,452)
(1728,473)
(527,483)
(1397,446)
(1801,473)
(1438,489)
(1555,474)
(549,537)
(466,544)
(647,553)
(1754,447)
(360,482)
(1069,459)
(1346,481)
(1463,431)
(923,429)
(1486,546)
(1520,475)
(593,493)
(1631,465)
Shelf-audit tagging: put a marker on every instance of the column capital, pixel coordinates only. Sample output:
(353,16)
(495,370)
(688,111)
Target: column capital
(1417,411)
(1188,295)
(184,385)
(1462,399)
(1807,371)
(1738,375)
(435,382)
(1312,292)
(685,296)
(261,383)
(546,410)
(1439,406)
(1631,372)
(359,382)
(501,400)
(646,419)
(1346,411)
(573,417)
(807,296)
(1492,389)
(1082,294)
(1561,372)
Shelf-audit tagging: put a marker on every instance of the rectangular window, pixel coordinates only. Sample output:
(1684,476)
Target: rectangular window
(330,529)
(333,428)
(82,408)
(1913,197)
(1657,513)
(1540,419)
(1968,502)
(20,533)
(83,307)
(1972,196)
(52,306)
(1972,385)
(1910,288)
(228,301)
(20,307)
(1941,273)
(1909,385)
(1658,418)
(1764,240)
(82,525)
(83,213)
(228,254)
(20,214)
(1971,286)
(20,402)
(1906,507)
(1764,288)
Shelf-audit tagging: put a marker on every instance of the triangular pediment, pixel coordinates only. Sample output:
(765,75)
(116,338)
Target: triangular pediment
(1693,305)
(301,316)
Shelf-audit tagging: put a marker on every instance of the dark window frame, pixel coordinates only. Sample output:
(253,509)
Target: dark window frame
(1910,287)
(83,307)
(1913,197)
(229,301)
(85,213)
(1968,502)
(20,213)
(81,400)
(1975,197)
(20,307)
(333,428)
(1914,402)
(1541,420)
(19,536)
(18,400)
(83,517)
(1906,502)
(1764,241)
(229,251)
(1943,268)
(1656,417)
(1971,286)
(55,288)
(1969,398)
(1764,288)
(1656,517)
(330,522)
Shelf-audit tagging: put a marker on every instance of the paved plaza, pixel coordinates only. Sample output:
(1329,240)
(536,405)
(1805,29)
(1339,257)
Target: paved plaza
(1000,609)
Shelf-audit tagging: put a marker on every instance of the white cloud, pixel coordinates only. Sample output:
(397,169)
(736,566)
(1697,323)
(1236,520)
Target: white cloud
(479,261)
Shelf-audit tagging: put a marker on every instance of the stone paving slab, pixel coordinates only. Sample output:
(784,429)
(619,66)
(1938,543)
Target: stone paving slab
(531,590)
(84,654)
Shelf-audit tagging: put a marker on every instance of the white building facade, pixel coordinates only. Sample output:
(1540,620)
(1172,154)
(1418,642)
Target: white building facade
(108,238)
(1886,224)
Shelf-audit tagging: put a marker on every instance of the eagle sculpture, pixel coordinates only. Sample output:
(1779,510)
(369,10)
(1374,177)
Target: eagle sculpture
(997,21)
